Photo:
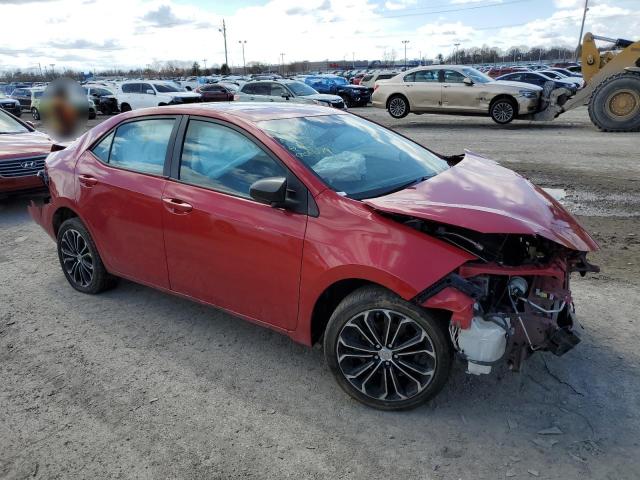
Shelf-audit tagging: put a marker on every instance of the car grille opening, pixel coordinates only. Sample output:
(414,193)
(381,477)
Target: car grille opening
(21,167)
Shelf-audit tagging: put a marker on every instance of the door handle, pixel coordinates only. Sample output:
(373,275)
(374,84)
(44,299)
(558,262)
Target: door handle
(87,180)
(177,206)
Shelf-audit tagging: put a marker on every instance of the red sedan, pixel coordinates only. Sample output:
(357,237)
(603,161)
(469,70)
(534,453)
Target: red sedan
(22,154)
(215,93)
(326,227)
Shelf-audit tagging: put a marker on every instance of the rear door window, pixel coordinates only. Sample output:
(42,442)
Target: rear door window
(140,146)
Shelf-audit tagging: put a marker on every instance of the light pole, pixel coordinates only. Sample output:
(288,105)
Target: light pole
(584,17)
(282,60)
(456,52)
(223,30)
(244,64)
(204,61)
(405,53)
(53,72)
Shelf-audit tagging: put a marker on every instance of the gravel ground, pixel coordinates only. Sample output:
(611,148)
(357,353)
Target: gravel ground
(134,383)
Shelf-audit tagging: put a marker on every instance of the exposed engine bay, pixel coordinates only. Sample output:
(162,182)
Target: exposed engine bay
(510,302)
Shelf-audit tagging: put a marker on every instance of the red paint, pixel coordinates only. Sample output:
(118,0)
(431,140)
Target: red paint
(459,304)
(22,145)
(480,195)
(269,265)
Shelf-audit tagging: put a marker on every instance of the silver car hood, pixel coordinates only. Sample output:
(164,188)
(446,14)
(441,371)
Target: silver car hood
(499,84)
(324,97)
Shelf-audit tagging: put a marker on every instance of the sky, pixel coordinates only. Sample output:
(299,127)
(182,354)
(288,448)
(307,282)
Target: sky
(92,35)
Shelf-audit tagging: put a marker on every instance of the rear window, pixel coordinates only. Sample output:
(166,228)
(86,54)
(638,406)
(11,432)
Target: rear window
(366,78)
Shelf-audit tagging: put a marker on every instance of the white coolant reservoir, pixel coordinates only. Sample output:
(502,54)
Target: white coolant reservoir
(483,341)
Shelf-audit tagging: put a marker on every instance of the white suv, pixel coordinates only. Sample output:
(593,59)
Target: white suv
(150,93)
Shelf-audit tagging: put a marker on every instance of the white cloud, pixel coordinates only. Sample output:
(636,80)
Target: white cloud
(126,33)
(398,4)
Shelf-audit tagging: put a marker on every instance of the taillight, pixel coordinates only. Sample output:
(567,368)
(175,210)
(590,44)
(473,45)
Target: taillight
(375,87)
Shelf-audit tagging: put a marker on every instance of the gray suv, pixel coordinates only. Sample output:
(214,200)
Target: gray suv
(285,91)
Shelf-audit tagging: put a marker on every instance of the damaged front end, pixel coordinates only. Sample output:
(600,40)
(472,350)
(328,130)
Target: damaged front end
(510,302)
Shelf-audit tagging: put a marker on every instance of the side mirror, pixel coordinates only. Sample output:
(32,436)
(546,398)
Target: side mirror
(30,124)
(286,96)
(150,92)
(467,81)
(272,191)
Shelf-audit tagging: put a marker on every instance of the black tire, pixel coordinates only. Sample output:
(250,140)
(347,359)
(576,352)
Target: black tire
(90,276)
(35,114)
(623,117)
(347,101)
(125,107)
(389,362)
(398,106)
(92,115)
(503,110)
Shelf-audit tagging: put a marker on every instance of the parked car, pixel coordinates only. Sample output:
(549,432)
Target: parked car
(539,79)
(22,95)
(567,72)
(215,93)
(36,96)
(134,94)
(104,99)
(370,79)
(456,90)
(285,91)
(22,154)
(577,81)
(326,227)
(352,95)
(10,105)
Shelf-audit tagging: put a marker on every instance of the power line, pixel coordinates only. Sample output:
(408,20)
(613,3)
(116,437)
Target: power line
(460,9)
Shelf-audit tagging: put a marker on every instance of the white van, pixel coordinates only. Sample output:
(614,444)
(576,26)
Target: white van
(136,94)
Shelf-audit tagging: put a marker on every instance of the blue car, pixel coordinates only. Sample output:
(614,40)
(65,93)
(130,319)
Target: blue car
(353,95)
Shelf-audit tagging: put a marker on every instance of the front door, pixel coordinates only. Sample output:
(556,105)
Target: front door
(223,247)
(119,188)
(457,95)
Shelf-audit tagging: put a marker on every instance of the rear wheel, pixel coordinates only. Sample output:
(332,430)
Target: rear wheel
(398,106)
(125,107)
(80,260)
(615,104)
(35,114)
(386,352)
(503,111)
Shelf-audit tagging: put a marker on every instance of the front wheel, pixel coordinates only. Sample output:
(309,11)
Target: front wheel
(398,107)
(80,260)
(503,111)
(386,352)
(35,114)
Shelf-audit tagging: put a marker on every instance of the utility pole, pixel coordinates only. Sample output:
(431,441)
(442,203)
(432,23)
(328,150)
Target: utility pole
(282,61)
(353,59)
(223,30)
(244,64)
(584,17)
(456,52)
(204,61)
(405,53)
(53,72)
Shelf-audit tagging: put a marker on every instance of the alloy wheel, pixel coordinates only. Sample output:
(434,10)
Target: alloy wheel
(76,258)
(386,355)
(397,107)
(503,112)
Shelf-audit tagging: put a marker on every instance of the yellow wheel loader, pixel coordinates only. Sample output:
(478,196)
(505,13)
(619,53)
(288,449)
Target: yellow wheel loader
(612,86)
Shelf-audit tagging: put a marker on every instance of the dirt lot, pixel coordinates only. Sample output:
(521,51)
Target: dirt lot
(138,384)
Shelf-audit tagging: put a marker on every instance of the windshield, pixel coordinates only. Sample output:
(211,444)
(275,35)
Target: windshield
(164,88)
(353,156)
(300,89)
(9,125)
(476,75)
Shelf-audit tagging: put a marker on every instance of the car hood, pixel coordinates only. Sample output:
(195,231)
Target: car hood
(352,87)
(500,84)
(7,100)
(324,97)
(18,145)
(184,94)
(480,195)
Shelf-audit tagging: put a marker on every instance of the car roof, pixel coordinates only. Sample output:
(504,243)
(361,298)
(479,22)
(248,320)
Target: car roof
(248,111)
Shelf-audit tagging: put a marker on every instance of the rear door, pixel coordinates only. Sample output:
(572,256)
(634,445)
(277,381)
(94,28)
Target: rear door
(423,90)
(222,246)
(119,190)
